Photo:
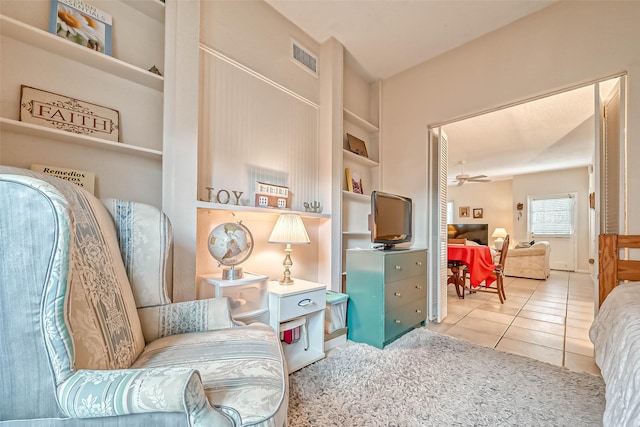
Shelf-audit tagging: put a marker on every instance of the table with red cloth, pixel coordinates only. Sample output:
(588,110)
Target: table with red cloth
(478,261)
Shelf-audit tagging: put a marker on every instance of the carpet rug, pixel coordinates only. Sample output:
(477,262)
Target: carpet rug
(428,379)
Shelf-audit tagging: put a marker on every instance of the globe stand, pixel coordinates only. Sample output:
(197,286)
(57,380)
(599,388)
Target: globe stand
(232,273)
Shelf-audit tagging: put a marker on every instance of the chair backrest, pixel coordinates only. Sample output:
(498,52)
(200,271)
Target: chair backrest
(503,252)
(67,301)
(612,269)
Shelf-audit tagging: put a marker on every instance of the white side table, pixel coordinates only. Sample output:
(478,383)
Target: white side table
(299,305)
(248,296)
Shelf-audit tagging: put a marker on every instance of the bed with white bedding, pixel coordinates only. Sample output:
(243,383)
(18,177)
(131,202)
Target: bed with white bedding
(615,334)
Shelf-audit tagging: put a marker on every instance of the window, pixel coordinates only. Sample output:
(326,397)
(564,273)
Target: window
(551,215)
(450,212)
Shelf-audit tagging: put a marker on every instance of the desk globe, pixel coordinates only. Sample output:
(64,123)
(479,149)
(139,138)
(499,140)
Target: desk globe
(230,244)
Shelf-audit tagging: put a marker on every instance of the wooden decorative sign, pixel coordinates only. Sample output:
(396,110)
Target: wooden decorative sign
(81,178)
(51,110)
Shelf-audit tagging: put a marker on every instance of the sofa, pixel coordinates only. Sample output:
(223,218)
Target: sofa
(530,262)
(89,335)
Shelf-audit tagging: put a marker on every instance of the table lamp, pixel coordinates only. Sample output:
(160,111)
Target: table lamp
(289,229)
(499,234)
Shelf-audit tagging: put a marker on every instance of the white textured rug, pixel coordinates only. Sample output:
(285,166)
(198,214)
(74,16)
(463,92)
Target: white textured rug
(429,379)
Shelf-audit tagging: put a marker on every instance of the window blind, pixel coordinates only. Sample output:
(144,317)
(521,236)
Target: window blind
(551,216)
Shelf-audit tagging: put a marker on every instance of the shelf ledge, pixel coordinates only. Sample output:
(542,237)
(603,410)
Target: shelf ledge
(152,8)
(356,158)
(359,121)
(9,125)
(38,38)
(241,208)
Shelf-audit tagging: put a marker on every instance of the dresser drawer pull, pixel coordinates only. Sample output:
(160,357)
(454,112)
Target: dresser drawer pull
(419,263)
(398,267)
(305,302)
(398,321)
(418,311)
(418,287)
(398,294)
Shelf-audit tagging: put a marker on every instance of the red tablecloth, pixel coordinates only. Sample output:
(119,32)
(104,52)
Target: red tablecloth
(478,261)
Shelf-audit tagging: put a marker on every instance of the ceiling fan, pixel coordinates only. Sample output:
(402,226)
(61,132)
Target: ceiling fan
(462,178)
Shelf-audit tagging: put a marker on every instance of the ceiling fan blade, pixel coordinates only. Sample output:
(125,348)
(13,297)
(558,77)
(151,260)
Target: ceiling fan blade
(477,176)
(460,183)
(479,180)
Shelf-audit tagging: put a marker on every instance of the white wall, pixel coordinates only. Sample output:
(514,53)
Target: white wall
(557,182)
(563,45)
(495,198)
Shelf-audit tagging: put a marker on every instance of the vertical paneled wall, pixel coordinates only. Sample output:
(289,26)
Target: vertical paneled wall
(253,129)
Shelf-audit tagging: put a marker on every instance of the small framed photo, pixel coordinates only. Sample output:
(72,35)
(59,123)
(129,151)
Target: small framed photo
(356,145)
(477,213)
(463,212)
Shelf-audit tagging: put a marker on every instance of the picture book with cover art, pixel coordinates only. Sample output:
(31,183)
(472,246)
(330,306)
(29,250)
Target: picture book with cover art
(81,23)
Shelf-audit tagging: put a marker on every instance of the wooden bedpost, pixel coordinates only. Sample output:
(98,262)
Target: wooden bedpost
(612,269)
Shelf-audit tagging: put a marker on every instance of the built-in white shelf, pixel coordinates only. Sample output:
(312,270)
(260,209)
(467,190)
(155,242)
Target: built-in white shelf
(356,196)
(152,8)
(241,208)
(9,125)
(356,233)
(365,161)
(36,37)
(359,121)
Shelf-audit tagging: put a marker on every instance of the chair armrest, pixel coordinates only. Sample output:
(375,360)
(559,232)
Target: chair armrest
(108,393)
(184,317)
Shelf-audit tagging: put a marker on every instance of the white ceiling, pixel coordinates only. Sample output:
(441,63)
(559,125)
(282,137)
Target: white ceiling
(385,37)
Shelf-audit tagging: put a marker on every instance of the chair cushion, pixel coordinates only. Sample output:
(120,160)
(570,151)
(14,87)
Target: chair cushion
(242,369)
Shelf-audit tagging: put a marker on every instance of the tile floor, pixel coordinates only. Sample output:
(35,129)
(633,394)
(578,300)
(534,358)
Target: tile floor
(547,320)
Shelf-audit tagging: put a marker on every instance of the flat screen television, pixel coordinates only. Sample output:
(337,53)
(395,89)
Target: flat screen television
(479,233)
(391,220)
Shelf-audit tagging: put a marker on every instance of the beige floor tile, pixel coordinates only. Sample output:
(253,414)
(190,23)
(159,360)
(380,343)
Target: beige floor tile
(539,325)
(583,303)
(579,315)
(578,333)
(548,304)
(581,308)
(534,351)
(438,327)
(481,325)
(580,363)
(543,297)
(583,347)
(561,312)
(491,316)
(499,308)
(541,316)
(535,337)
(474,336)
(578,323)
(453,317)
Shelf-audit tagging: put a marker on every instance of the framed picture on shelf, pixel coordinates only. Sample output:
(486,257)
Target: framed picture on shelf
(81,23)
(477,213)
(356,145)
(464,212)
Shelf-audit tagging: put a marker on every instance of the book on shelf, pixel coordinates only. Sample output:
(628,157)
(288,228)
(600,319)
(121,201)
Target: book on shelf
(79,177)
(81,23)
(347,173)
(354,183)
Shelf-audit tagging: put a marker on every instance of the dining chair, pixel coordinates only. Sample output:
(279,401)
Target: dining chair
(498,272)
(456,277)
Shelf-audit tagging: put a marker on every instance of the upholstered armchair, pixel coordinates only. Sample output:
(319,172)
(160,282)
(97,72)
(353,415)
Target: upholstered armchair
(88,333)
(529,262)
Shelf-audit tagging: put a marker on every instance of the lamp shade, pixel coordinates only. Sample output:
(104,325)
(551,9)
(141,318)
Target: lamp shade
(500,233)
(289,229)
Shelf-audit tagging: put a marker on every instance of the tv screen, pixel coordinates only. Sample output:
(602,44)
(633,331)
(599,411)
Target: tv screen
(479,233)
(391,220)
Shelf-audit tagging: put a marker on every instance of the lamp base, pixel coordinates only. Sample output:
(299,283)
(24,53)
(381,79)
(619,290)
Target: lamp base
(498,244)
(286,281)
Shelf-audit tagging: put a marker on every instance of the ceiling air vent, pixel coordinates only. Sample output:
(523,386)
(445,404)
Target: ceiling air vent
(304,58)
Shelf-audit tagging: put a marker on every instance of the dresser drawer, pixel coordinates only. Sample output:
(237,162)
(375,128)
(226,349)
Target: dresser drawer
(302,304)
(402,318)
(401,292)
(400,265)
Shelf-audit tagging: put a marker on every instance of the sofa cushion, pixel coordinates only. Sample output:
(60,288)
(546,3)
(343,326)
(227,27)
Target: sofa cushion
(242,369)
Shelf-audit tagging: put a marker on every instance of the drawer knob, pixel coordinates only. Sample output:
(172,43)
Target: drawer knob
(305,302)
(418,311)
(398,294)
(418,287)
(398,321)
(398,267)
(419,263)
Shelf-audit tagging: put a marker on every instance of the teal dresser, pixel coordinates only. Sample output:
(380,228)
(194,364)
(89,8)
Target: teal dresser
(387,294)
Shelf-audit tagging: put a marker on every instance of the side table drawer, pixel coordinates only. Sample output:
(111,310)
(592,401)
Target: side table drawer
(402,292)
(402,318)
(302,304)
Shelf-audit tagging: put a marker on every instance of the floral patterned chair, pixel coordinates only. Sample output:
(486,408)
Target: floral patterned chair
(89,336)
